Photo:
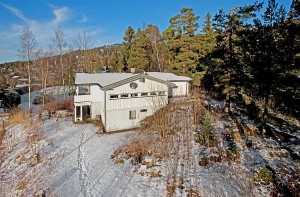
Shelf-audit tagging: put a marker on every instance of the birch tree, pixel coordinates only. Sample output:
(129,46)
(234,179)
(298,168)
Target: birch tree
(59,46)
(27,52)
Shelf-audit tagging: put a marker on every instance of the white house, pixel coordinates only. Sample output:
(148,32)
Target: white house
(122,100)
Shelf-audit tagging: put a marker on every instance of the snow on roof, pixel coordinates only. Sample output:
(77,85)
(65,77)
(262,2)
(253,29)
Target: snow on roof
(104,79)
(168,76)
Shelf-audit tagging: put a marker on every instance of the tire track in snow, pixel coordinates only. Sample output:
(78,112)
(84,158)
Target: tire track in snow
(83,173)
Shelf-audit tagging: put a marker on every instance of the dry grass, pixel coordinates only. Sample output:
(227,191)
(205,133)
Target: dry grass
(17,116)
(60,105)
(138,149)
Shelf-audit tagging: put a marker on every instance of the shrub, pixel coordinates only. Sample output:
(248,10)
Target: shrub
(264,176)
(39,99)
(137,149)
(17,116)
(60,105)
(206,136)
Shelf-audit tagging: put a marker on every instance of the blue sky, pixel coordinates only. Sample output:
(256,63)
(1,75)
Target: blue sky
(104,21)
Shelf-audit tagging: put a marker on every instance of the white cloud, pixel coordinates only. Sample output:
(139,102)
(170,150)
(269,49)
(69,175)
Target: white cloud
(18,13)
(61,15)
(83,19)
(43,31)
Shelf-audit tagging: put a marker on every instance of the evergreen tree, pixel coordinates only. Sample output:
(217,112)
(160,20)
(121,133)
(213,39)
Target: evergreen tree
(116,61)
(138,52)
(206,136)
(180,41)
(207,42)
(126,46)
(228,69)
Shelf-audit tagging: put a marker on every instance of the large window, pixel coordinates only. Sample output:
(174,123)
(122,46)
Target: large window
(83,90)
(132,114)
(144,94)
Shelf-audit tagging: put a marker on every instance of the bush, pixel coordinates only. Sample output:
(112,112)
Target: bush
(137,149)
(60,105)
(38,100)
(264,176)
(17,116)
(206,136)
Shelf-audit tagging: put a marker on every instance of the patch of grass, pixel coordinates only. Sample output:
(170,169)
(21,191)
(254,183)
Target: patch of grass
(17,116)
(264,176)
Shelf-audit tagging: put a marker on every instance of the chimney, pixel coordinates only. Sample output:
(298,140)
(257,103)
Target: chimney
(132,70)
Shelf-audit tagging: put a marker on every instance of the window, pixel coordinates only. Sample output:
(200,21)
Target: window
(132,114)
(143,110)
(83,90)
(142,80)
(144,94)
(124,95)
(113,96)
(78,111)
(162,93)
(152,93)
(134,95)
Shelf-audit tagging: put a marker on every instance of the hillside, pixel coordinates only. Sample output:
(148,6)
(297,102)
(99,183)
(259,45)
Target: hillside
(50,154)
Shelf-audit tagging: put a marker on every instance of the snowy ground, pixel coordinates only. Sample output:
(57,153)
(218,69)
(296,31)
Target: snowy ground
(75,161)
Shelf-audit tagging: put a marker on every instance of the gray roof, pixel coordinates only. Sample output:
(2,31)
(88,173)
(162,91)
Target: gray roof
(103,79)
(106,79)
(168,76)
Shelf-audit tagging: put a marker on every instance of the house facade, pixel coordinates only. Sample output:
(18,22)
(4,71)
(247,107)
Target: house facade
(122,100)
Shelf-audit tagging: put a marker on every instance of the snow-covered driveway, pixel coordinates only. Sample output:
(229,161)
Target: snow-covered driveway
(81,164)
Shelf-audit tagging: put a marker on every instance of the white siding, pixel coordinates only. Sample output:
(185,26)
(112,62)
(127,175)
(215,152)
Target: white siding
(82,98)
(181,90)
(137,102)
(119,119)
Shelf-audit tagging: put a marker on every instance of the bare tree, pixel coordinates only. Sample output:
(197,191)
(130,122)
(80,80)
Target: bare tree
(81,44)
(59,46)
(27,52)
(43,69)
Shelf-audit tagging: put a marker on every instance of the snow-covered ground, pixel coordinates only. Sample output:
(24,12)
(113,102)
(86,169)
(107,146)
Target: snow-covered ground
(75,161)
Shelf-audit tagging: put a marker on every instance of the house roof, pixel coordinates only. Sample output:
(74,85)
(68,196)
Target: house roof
(168,76)
(109,80)
(103,79)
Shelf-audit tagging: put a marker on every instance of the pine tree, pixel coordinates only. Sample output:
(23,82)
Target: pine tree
(180,41)
(228,69)
(138,53)
(206,136)
(126,46)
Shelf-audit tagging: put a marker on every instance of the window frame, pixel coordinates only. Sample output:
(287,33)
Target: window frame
(111,96)
(134,95)
(144,94)
(132,114)
(144,110)
(123,96)
(88,92)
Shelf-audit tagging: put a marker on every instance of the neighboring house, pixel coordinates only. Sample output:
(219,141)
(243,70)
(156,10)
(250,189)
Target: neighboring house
(122,100)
